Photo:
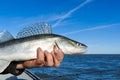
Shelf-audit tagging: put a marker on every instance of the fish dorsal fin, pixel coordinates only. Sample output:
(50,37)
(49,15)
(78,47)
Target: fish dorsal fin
(5,36)
(35,29)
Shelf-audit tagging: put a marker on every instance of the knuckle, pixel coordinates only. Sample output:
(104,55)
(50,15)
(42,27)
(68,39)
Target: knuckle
(40,62)
(39,50)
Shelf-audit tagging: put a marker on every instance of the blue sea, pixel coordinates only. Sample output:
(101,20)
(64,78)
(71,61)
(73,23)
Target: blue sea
(83,67)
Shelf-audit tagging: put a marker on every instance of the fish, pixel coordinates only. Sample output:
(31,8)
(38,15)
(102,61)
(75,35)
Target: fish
(24,48)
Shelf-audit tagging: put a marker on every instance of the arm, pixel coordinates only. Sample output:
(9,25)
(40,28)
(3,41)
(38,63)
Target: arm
(12,69)
(43,59)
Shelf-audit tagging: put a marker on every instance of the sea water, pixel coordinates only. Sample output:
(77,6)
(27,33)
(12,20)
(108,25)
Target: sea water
(83,67)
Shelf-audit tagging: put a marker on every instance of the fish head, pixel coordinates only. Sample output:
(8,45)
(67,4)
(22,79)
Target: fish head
(70,46)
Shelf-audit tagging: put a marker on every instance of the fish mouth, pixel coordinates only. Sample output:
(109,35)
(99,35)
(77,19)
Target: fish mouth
(84,50)
(80,51)
(85,46)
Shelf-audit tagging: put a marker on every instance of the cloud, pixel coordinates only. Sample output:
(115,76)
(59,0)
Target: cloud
(71,12)
(93,28)
(15,24)
(24,21)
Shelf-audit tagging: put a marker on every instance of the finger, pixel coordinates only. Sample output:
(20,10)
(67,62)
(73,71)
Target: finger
(56,62)
(40,57)
(29,63)
(49,59)
(59,55)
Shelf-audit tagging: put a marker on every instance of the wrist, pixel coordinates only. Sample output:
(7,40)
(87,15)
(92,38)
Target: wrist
(14,68)
(20,66)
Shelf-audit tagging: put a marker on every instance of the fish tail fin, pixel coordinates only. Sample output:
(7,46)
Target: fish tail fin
(3,65)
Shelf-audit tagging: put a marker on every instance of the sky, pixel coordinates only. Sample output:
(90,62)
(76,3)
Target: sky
(95,23)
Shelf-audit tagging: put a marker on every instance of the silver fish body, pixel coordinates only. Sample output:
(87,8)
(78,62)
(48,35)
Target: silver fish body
(25,48)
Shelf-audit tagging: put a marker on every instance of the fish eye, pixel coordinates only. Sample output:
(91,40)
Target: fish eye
(78,44)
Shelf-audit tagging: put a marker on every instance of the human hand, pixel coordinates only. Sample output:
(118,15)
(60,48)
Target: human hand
(44,58)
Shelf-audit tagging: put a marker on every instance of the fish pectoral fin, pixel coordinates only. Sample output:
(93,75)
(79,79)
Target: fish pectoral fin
(55,47)
(3,65)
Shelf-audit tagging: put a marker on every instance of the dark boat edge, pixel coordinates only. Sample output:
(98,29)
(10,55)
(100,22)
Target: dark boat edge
(33,76)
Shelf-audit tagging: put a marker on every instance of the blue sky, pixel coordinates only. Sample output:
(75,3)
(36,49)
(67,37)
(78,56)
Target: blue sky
(93,22)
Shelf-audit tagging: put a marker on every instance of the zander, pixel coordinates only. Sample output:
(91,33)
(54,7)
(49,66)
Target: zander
(24,47)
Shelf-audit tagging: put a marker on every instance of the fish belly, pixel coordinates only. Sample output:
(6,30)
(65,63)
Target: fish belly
(25,50)
(22,51)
